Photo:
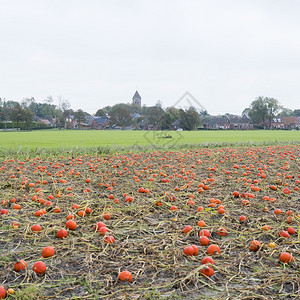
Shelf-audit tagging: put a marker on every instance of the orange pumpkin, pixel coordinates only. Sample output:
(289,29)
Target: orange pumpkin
(48,252)
(70,224)
(39,267)
(213,249)
(20,265)
(208,271)
(286,257)
(125,276)
(2,292)
(255,245)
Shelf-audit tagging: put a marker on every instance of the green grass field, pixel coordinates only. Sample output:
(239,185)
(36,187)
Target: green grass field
(88,139)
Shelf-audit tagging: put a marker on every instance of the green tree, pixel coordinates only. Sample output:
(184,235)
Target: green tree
(171,115)
(258,111)
(204,117)
(286,112)
(155,115)
(296,112)
(17,114)
(135,109)
(263,110)
(5,110)
(65,108)
(273,107)
(47,111)
(1,110)
(79,116)
(189,119)
(246,111)
(100,113)
(49,100)
(120,115)
(67,113)
(26,102)
(10,104)
(107,109)
(64,104)
(59,118)
(27,117)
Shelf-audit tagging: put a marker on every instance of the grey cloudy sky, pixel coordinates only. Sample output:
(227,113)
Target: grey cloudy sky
(97,53)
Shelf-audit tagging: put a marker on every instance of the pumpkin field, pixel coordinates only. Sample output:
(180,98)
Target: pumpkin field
(192,223)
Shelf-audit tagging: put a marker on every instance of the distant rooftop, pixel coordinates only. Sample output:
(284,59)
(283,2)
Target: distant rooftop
(136,95)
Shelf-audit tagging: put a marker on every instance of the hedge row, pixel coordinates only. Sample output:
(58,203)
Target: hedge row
(24,126)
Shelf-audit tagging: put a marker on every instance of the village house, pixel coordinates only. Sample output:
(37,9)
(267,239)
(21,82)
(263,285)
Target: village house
(70,122)
(291,122)
(145,124)
(230,122)
(218,123)
(100,123)
(175,125)
(240,123)
(45,121)
(277,123)
(93,122)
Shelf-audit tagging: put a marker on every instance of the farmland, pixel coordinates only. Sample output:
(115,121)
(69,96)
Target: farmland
(153,206)
(93,138)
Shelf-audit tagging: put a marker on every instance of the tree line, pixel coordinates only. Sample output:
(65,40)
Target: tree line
(261,111)
(130,114)
(30,110)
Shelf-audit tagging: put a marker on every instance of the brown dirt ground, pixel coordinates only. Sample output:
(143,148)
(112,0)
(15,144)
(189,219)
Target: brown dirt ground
(149,241)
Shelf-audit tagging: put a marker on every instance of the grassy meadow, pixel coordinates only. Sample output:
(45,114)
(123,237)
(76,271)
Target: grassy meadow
(92,138)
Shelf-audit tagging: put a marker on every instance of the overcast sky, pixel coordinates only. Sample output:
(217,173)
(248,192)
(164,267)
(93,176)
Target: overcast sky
(97,53)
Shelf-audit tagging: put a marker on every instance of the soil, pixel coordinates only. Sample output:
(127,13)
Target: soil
(149,238)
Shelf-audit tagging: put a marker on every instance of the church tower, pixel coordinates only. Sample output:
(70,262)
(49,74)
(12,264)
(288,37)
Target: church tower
(136,99)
